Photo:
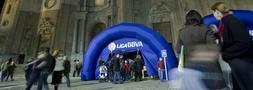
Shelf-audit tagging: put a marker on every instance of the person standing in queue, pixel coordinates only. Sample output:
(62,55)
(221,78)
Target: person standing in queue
(139,66)
(161,68)
(116,69)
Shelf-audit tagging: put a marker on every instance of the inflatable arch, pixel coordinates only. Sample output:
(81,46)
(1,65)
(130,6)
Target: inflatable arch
(245,16)
(127,37)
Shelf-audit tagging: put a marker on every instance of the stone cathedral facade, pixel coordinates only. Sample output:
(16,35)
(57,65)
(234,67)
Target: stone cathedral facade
(29,26)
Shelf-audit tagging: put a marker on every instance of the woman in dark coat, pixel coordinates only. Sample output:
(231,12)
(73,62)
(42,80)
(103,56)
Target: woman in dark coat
(236,46)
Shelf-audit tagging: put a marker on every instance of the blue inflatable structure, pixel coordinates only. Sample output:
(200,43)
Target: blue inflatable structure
(128,38)
(245,16)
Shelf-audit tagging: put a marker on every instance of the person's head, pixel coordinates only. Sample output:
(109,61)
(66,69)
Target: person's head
(56,53)
(65,58)
(219,9)
(47,50)
(193,18)
(160,59)
(117,55)
(121,56)
(126,61)
(10,60)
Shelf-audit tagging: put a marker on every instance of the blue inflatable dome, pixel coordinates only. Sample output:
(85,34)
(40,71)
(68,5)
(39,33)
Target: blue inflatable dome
(245,16)
(128,38)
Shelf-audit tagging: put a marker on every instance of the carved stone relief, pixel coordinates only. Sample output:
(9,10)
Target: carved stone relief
(159,13)
(46,31)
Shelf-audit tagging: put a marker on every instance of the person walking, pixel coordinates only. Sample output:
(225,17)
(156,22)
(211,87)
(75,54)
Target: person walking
(58,70)
(160,65)
(67,68)
(236,46)
(46,67)
(201,52)
(4,71)
(10,69)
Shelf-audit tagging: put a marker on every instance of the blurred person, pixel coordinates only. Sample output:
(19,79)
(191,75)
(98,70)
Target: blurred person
(116,69)
(46,66)
(102,72)
(225,68)
(33,74)
(139,66)
(201,52)
(127,70)
(58,69)
(4,71)
(67,68)
(109,66)
(122,71)
(236,46)
(10,69)
(78,67)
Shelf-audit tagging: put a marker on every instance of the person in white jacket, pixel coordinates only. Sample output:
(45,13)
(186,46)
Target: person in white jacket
(58,70)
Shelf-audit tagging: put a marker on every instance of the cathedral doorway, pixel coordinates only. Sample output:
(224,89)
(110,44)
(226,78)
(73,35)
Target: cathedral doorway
(96,29)
(164,28)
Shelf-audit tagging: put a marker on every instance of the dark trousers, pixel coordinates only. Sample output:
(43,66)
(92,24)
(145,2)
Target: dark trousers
(32,79)
(138,75)
(4,74)
(9,74)
(76,72)
(43,81)
(242,74)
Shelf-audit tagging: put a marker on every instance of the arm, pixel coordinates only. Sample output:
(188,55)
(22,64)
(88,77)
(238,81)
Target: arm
(241,42)
(179,43)
(210,36)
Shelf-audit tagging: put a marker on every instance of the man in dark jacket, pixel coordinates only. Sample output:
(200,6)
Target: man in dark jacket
(116,69)
(236,46)
(139,67)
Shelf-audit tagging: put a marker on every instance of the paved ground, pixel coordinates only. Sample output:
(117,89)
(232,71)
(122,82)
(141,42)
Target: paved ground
(77,84)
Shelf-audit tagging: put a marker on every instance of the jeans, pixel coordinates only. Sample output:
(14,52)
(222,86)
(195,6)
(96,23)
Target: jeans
(66,76)
(3,75)
(161,73)
(76,72)
(9,74)
(117,77)
(32,79)
(110,76)
(43,80)
(127,76)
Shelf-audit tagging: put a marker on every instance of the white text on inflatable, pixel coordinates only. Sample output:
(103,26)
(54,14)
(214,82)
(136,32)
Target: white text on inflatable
(130,45)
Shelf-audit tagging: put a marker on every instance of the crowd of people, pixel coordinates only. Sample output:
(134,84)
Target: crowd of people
(58,65)
(119,69)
